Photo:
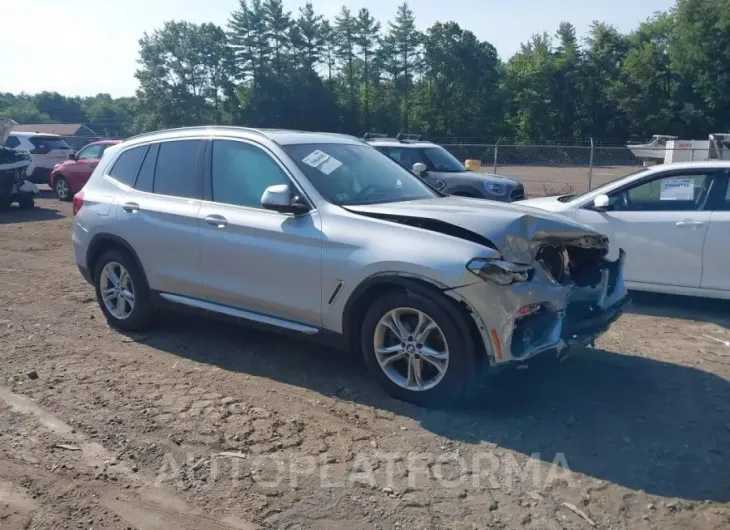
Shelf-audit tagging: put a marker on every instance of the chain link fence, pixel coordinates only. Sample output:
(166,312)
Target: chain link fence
(544,169)
(562,169)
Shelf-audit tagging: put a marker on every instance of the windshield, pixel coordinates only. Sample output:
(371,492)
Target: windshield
(442,160)
(571,198)
(349,174)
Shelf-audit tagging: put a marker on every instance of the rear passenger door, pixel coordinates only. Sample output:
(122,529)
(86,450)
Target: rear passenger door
(254,259)
(158,213)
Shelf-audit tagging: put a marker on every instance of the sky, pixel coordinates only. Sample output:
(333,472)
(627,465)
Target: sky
(84,47)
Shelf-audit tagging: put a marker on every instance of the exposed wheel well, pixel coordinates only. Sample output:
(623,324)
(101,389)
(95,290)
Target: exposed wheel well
(361,300)
(103,243)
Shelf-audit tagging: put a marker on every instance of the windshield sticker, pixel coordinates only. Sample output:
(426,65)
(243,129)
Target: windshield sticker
(677,190)
(322,162)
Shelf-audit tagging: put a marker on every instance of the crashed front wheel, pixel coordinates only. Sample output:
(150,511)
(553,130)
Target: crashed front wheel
(415,349)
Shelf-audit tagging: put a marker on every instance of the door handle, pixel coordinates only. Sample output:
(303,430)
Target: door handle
(130,207)
(690,223)
(216,220)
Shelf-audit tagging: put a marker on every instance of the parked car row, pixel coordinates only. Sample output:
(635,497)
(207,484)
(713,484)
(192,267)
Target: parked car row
(14,188)
(323,236)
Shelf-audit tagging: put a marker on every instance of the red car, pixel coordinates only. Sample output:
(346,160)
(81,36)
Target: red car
(70,176)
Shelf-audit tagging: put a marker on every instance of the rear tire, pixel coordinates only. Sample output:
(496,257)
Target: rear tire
(62,188)
(445,376)
(133,313)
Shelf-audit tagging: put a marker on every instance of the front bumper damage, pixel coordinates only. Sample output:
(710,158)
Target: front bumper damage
(562,314)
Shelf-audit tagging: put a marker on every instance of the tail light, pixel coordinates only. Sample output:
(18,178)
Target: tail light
(78,202)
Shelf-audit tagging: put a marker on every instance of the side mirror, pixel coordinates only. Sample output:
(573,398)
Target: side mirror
(72,156)
(419,169)
(601,203)
(279,198)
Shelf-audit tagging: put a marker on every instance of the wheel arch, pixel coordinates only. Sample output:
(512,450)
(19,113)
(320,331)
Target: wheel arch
(377,285)
(101,243)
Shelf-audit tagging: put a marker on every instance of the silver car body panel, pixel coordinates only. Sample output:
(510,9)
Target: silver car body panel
(300,272)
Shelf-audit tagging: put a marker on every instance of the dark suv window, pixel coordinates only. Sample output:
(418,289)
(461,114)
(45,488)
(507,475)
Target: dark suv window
(44,144)
(126,166)
(176,172)
(12,142)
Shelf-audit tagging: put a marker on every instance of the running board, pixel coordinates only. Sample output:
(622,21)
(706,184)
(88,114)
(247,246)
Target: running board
(239,313)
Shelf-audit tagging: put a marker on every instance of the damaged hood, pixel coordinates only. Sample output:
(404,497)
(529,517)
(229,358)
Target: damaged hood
(6,125)
(515,231)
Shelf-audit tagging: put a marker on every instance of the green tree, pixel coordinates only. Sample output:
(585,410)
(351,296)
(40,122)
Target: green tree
(460,94)
(248,39)
(278,26)
(367,38)
(345,35)
(185,75)
(699,50)
(307,38)
(405,42)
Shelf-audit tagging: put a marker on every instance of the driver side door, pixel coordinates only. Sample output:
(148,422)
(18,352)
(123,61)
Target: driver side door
(254,259)
(661,223)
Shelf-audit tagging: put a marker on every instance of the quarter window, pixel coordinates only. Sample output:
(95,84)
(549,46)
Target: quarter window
(241,173)
(12,142)
(126,166)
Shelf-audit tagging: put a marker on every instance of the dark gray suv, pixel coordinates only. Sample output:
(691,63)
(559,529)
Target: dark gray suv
(441,170)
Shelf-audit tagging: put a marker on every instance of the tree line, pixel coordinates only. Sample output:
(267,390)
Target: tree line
(270,68)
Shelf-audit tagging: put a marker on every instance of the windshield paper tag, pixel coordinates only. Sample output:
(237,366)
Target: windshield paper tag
(677,190)
(322,162)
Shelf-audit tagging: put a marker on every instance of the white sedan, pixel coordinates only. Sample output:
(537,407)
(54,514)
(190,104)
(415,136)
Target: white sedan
(672,220)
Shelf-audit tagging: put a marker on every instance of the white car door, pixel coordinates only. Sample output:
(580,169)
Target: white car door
(661,222)
(716,251)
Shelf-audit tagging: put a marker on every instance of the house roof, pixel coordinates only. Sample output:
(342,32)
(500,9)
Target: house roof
(62,129)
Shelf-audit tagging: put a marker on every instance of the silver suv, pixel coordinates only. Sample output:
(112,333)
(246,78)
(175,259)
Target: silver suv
(322,235)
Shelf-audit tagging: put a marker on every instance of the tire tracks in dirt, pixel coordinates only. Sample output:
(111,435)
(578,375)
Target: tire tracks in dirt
(149,507)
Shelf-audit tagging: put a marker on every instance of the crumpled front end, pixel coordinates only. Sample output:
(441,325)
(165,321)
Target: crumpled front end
(572,297)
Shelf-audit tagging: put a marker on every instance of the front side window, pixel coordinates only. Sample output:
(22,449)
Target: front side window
(350,174)
(439,159)
(404,156)
(686,192)
(90,152)
(176,173)
(126,166)
(241,173)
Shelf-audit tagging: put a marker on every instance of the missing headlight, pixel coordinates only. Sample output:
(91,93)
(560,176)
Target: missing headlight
(555,260)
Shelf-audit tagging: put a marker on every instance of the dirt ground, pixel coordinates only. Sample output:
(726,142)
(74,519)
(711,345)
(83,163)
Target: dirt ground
(542,181)
(208,425)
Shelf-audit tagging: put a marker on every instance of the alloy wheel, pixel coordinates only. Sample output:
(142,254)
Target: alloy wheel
(411,349)
(117,290)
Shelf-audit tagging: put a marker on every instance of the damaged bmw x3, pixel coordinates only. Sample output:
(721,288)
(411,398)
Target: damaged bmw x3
(323,235)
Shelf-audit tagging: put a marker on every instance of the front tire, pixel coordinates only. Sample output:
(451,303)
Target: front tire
(122,291)
(62,188)
(417,349)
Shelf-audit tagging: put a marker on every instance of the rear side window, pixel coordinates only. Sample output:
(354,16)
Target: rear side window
(126,166)
(176,173)
(46,143)
(12,142)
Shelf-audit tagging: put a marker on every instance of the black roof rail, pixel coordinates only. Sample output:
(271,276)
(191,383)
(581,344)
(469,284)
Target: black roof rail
(405,136)
(371,135)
